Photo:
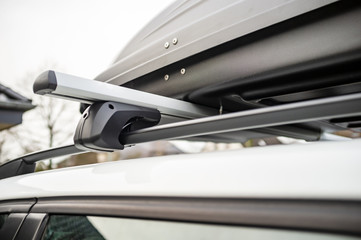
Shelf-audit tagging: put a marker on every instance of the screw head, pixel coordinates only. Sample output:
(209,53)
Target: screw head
(175,41)
(183,71)
(166,45)
(166,77)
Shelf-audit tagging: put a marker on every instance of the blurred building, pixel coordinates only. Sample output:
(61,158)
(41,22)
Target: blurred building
(12,107)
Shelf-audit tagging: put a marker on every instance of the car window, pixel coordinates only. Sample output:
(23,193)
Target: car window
(94,228)
(3,218)
(71,227)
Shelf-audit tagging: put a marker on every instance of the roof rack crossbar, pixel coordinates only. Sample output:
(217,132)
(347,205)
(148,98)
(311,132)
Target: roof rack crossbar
(312,110)
(89,91)
(300,112)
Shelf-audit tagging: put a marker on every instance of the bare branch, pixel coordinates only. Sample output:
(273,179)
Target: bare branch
(50,122)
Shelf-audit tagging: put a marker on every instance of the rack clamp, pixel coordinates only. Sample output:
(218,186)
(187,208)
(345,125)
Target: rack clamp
(100,129)
(103,123)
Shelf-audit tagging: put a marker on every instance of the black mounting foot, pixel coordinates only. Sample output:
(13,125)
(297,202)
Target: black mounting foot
(102,124)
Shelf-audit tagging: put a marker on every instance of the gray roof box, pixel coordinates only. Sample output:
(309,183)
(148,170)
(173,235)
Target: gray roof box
(191,27)
(239,55)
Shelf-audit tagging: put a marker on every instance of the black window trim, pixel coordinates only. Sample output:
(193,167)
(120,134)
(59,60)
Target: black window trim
(18,211)
(17,206)
(33,225)
(329,216)
(12,225)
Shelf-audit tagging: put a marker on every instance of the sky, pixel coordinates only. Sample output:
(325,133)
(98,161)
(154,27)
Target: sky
(79,37)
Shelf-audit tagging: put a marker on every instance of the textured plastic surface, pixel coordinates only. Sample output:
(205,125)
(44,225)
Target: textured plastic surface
(45,83)
(102,124)
(15,168)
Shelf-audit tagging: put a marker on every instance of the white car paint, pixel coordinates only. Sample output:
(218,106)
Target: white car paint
(320,170)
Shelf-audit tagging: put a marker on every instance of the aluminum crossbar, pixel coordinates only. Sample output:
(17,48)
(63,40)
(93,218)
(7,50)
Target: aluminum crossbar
(89,91)
(307,111)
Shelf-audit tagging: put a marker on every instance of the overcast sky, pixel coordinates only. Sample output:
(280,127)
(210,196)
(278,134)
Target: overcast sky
(80,37)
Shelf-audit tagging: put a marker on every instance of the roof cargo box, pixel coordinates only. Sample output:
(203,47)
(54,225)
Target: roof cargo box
(240,55)
(220,41)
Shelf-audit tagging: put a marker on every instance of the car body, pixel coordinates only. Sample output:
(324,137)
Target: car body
(268,189)
(260,59)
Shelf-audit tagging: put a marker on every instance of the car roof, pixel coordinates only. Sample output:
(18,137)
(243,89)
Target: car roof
(320,170)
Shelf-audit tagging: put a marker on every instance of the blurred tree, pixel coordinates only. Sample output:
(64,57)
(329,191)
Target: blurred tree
(56,119)
(4,135)
(52,123)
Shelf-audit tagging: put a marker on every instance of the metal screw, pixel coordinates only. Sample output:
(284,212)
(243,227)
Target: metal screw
(175,41)
(183,71)
(166,45)
(166,77)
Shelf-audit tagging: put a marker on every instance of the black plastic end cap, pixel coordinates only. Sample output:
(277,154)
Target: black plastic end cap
(45,83)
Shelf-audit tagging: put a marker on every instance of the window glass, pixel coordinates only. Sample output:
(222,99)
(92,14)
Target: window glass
(3,218)
(92,228)
(71,227)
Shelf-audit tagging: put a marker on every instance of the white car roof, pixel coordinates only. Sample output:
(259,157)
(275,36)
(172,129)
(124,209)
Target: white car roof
(320,170)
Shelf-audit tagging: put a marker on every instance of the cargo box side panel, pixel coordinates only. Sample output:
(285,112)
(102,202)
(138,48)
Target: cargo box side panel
(327,33)
(187,28)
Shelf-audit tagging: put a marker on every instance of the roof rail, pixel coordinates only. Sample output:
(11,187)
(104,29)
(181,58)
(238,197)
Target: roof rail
(26,163)
(108,126)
